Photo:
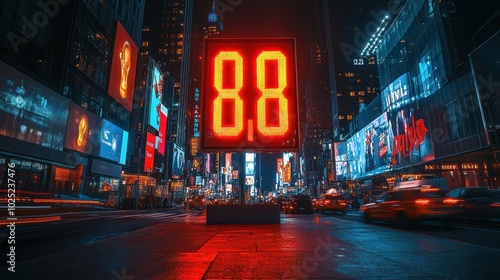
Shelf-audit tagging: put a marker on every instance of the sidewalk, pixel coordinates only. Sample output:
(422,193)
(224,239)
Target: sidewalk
(194,250)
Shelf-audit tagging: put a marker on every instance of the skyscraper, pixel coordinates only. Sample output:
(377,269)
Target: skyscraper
(167,35)
(72,65)
(321,101)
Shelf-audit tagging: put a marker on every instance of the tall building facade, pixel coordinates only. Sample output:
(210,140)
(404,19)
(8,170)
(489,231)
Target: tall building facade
(70,66)
(437,95)
(356,77)
(321,123)
(167,35)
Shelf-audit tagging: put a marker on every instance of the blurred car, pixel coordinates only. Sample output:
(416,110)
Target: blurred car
(215,201)
(197,201)
(409,205)
(475,203)
(331,202)
(299,204)
(282,201)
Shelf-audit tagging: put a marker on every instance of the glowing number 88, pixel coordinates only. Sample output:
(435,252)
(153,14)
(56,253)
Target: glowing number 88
(267,93)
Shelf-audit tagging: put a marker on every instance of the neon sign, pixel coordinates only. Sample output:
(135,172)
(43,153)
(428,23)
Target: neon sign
(249,95)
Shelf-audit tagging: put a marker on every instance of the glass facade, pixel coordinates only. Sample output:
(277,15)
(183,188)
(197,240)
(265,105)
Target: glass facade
(435,115)
(484,62)
(408,48)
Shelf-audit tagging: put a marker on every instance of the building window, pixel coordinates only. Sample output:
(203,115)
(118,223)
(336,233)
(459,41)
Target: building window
(361,93)
(145,44)
(352,93)
(341,117)
(349,117)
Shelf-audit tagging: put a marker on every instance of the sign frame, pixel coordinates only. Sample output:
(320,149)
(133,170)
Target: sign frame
(262,107)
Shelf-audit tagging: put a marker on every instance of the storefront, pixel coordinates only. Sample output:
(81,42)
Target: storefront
(102,181)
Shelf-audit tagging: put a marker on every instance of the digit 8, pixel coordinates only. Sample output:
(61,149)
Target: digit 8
(272,93)
(228,93)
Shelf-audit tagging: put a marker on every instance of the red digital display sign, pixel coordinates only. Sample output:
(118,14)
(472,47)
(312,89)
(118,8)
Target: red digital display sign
(123,67)
(249,95)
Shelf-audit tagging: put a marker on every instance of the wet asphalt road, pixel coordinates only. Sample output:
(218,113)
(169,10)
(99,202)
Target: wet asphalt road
(177,244)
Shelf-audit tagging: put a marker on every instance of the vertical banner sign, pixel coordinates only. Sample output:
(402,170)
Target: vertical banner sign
(249,95)
(162,132)
(149,155)
(279,165)
(123,66)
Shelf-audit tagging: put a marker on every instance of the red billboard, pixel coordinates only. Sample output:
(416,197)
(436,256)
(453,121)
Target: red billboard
(162,132)
(149,155)
(249,95)
(123,67)
(83,131)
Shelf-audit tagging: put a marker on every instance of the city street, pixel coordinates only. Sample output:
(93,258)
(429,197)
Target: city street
(177,244)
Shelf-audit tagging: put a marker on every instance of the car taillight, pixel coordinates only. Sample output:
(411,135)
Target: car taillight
(495,204)
(451,200)
(422,202)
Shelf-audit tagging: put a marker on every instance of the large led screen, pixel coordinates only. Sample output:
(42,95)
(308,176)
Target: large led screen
(30,111)
(412,141)
(341,160)
(83,131)
(112,139)
(249,95)
(162,132)
(399,140)
(123,68)
(155,98)
(177,160)
(123,154)
(369,150)
(88,134)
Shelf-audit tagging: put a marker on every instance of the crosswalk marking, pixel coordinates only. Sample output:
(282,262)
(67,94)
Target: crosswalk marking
(114,216)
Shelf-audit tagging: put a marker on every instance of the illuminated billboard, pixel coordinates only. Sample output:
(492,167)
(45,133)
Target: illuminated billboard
(369,150)
(88,134)
(162,132)
(149,155)
(155,98)
(177,160)
(123,68)
(30,111)
(113,139)
(412,141)
(123,154)
(249,95)
(396,140)
(341,160)
(82,131)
